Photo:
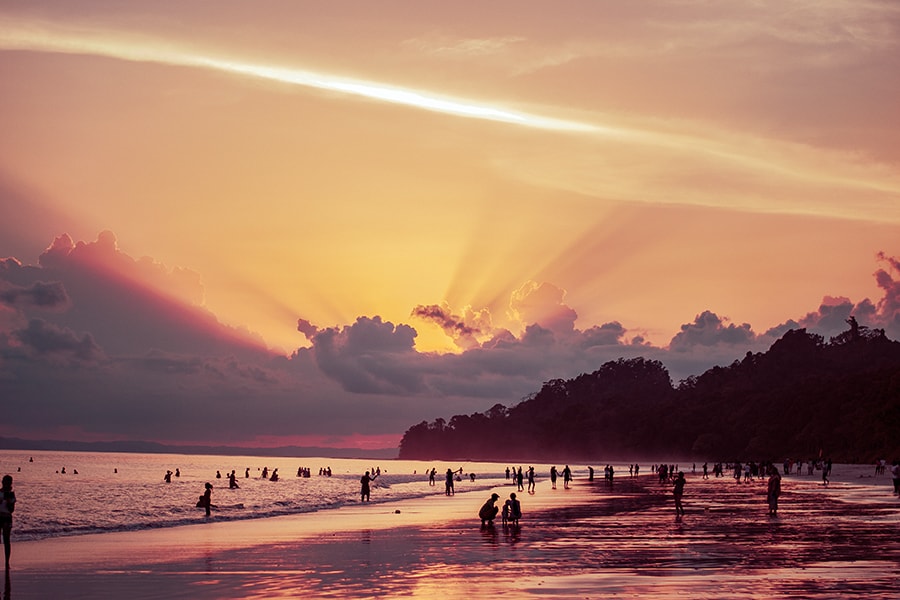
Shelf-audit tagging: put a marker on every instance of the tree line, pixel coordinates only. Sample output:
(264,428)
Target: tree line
(804,398)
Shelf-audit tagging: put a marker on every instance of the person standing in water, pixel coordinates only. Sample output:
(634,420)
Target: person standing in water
(206,499)
(773,491)
(678,492)
(365,489)
(7,506)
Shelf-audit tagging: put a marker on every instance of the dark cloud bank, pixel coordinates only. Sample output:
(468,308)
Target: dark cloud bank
(96,345)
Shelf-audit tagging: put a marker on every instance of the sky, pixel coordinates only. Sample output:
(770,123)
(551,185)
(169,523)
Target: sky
(319,224)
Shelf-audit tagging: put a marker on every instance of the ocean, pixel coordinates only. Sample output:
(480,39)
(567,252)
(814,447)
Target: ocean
(104,492)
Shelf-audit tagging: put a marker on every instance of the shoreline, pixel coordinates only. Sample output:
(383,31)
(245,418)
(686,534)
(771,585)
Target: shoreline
(589,541)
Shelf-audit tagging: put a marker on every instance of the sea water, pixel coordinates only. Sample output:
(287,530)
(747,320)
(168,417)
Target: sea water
(127,491)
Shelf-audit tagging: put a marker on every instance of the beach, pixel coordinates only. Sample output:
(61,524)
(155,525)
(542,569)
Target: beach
(591,541)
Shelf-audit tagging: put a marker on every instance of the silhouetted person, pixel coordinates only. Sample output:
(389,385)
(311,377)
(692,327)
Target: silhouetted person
(515,509)
(247,473)
(590,473)
(431,476)
(519,480)
(489,510)
(553,477)
(177,472)
(232,481)
(274,476)
(168,477)
(448,483)
(678,492)
(567,476)
(218,475)
(7,506)
(265,473)
(206,499)
(365,489)
(530,480)
(773,491)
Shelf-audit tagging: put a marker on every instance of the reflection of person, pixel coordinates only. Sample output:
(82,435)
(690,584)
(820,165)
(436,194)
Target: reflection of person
(773,491)
(489,510)
(365,490)
(678,492)
(7,506)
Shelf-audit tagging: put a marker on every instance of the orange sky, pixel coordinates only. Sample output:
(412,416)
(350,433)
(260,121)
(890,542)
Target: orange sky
(729,154)
(654,160)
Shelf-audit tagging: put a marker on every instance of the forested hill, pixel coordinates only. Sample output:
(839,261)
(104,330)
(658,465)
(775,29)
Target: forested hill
(803,398)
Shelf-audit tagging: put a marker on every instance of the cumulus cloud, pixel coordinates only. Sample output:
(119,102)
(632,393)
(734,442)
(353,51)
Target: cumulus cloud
(46,340)
(710,330)
(370,356)
(542,304)
(40,295)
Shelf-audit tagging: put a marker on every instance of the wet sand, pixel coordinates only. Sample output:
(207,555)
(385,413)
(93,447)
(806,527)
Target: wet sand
(592,541)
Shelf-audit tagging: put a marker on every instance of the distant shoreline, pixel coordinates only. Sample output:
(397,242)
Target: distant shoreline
(7,443)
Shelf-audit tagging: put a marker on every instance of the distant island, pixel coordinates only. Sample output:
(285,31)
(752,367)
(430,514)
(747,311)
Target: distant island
(804,399)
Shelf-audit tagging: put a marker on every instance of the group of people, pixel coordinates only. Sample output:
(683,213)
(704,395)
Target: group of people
(511,513)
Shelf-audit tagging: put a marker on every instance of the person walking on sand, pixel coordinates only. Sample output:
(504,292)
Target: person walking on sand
(567,477)
(530,480)
(365,490)
(519,479)
(553,477)
(489,510)
(773,491)
(7,506)
(678,493)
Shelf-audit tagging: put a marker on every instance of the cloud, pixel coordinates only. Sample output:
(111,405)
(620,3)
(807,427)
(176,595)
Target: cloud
(174,381)
(40,295)
(542,304)
(709,330)
(370,356)
(46,340)
(464,330)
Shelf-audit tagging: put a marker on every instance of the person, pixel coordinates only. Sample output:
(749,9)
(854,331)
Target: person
(168,477)
(553,476)
(489,510)
(530,480)
(515,509)
(895,475)
(567,477)
(519,479)
(773,491)
(590,473)
(232,481)
(448,483)
(7,506)
(177,472)
(365,490)
(431,475)
(678,492)
(206,499)
(274,476)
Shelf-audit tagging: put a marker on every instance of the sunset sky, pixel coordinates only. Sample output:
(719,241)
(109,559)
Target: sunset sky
(321,223)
